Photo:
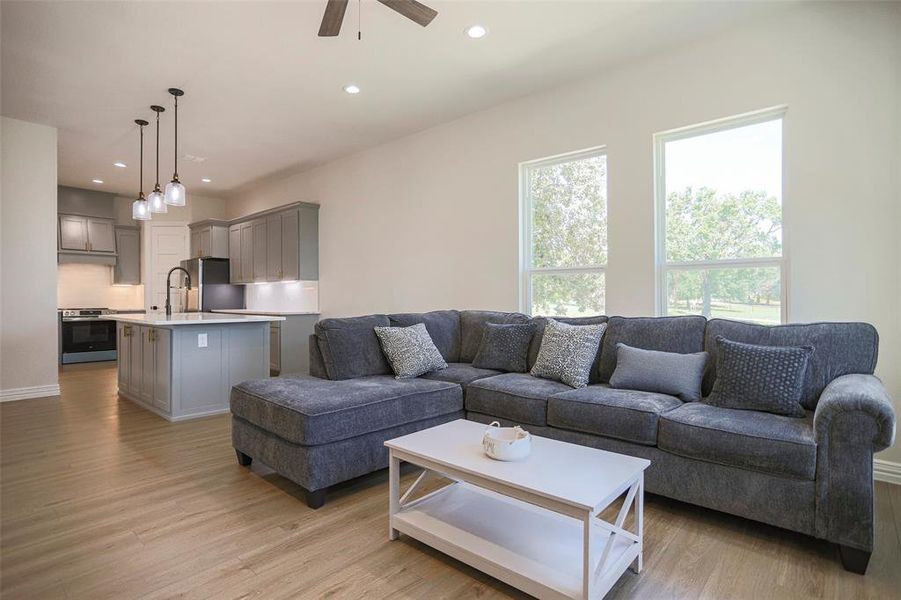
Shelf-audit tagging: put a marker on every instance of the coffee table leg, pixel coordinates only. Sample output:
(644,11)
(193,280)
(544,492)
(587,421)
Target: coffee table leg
(587,557)
(393,492)
(639,524)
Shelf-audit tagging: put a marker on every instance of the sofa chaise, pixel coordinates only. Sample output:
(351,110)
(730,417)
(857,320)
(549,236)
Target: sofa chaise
(812,475)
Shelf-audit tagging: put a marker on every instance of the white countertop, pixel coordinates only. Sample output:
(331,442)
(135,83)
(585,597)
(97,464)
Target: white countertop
(160,318)
(252,311)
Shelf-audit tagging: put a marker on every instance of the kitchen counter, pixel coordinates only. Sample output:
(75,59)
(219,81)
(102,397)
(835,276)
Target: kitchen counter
(251,311)
(159,319)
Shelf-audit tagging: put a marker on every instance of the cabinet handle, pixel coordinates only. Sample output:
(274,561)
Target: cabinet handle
(126,331)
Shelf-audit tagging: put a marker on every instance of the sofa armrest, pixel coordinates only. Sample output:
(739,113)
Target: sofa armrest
(864,396)
(854,418)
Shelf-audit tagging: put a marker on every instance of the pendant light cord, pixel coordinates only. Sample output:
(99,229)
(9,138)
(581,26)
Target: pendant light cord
(176,138)
(141,191)
(157,186)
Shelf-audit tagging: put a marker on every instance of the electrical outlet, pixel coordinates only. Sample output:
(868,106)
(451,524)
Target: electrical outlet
(202,340)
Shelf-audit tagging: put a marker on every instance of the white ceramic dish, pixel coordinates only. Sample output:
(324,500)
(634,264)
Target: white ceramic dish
(506,443)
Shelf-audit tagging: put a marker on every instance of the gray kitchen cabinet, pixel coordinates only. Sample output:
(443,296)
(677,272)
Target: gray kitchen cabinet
(246,253)
(79,233)
(123,355)
(209,240)
(307,245)
(289,344)
(274,248)
(144,364)
(234,253)
(127,270)
(275,346)
(259,250)
(145,393)
(136,359)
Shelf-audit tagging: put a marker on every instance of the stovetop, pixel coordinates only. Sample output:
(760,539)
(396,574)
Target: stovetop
(86,312)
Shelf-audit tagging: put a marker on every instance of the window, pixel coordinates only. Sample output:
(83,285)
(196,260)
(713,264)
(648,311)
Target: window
(564,234)
(719,217)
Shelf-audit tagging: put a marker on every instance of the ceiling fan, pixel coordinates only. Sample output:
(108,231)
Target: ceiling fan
(413,10)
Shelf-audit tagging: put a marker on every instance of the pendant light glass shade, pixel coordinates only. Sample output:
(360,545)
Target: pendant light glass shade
(155,199)
(157,202)
(175,191)
(140,210)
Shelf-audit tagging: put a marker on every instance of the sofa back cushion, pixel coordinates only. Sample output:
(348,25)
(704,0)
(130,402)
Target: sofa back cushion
(443,327)
(838,349)
(472,326)
(665,334)
(350,347)
(540,323)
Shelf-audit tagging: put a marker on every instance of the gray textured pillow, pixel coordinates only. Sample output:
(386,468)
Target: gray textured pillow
(663,372)
(505,347)
(762,378)
(410,350)
(567,352)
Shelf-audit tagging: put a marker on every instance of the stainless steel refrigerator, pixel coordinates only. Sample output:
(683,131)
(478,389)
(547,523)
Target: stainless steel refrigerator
(210,287)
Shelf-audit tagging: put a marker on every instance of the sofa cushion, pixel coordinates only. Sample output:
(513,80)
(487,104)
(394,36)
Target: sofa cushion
(505,347)
(410,350)
(310,411)
(567,352)
(751,440)
(541,323)
(623,414)
(461,373)
(661,372)
(350,347)
(518,397)
(472,327)
(443,327)
(755,377)
(839,349)
(684,335)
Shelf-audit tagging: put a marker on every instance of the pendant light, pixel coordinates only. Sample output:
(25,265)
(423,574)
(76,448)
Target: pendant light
(175,191)
(140,210)
(155,198)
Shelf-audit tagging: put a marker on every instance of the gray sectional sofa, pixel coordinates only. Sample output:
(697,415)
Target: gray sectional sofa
(813,475)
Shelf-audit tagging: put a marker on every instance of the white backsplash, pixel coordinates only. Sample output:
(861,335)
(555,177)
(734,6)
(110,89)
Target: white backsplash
(299,296)
(82,285)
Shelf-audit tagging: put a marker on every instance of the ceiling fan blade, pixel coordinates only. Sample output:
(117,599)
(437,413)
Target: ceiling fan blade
(413,10)
(333,17)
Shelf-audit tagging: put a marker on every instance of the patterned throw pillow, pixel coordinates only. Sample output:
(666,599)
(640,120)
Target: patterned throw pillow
(410,350)
(567,352)
(505,347)
(763,378)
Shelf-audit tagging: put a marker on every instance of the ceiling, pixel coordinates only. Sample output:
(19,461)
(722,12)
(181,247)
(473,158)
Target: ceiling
(264,94)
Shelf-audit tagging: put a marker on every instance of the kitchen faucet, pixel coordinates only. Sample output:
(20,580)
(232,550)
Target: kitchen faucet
(169,286)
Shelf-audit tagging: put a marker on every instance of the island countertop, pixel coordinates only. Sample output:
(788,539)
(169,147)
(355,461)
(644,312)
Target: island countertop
(276,313)
(156,319)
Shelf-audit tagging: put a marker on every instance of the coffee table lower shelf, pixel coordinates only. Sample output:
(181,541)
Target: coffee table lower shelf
(531,548)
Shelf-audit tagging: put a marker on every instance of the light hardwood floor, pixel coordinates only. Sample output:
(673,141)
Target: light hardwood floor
(101,499)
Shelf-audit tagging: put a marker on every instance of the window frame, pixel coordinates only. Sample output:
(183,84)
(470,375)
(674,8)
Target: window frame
(526,270)
(662,265)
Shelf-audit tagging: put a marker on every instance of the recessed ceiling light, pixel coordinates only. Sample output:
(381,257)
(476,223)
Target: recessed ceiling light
(121,165)
(477,31)
(350,88)
(97,180)
(206,180)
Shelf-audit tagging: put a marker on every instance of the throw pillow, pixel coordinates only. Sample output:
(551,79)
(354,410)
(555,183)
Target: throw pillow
(410,350)
(663,372)
(762,378)
(505,347)
(567,352)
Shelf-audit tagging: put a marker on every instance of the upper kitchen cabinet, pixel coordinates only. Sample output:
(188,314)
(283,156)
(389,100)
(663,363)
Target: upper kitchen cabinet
(82,238)
(127,270)
(209,239)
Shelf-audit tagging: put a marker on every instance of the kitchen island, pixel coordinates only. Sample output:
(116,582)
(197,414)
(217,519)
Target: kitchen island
(183,366)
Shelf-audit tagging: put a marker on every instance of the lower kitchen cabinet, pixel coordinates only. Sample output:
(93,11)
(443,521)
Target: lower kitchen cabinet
(144,357)
(289,344)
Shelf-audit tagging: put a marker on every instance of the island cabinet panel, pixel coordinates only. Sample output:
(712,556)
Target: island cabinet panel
(123,355)
(148,361)
(162,368)
(136,375)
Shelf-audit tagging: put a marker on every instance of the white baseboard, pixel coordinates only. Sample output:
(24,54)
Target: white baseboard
(884,470)
(38,391)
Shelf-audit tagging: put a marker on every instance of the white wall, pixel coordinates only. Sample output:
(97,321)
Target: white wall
(28,321)
(430,221)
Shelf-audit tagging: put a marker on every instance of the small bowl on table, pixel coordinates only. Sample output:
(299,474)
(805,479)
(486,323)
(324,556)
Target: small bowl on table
(506,443)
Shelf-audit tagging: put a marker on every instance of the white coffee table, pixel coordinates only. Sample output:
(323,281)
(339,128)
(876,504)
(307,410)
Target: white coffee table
(533,524)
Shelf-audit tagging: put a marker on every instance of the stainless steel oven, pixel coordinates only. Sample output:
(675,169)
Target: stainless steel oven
(86,336)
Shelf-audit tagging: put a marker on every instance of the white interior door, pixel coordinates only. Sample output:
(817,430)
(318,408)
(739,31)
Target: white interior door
(168,246)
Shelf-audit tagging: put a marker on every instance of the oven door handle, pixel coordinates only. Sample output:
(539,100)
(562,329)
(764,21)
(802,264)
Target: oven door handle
(71,319)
